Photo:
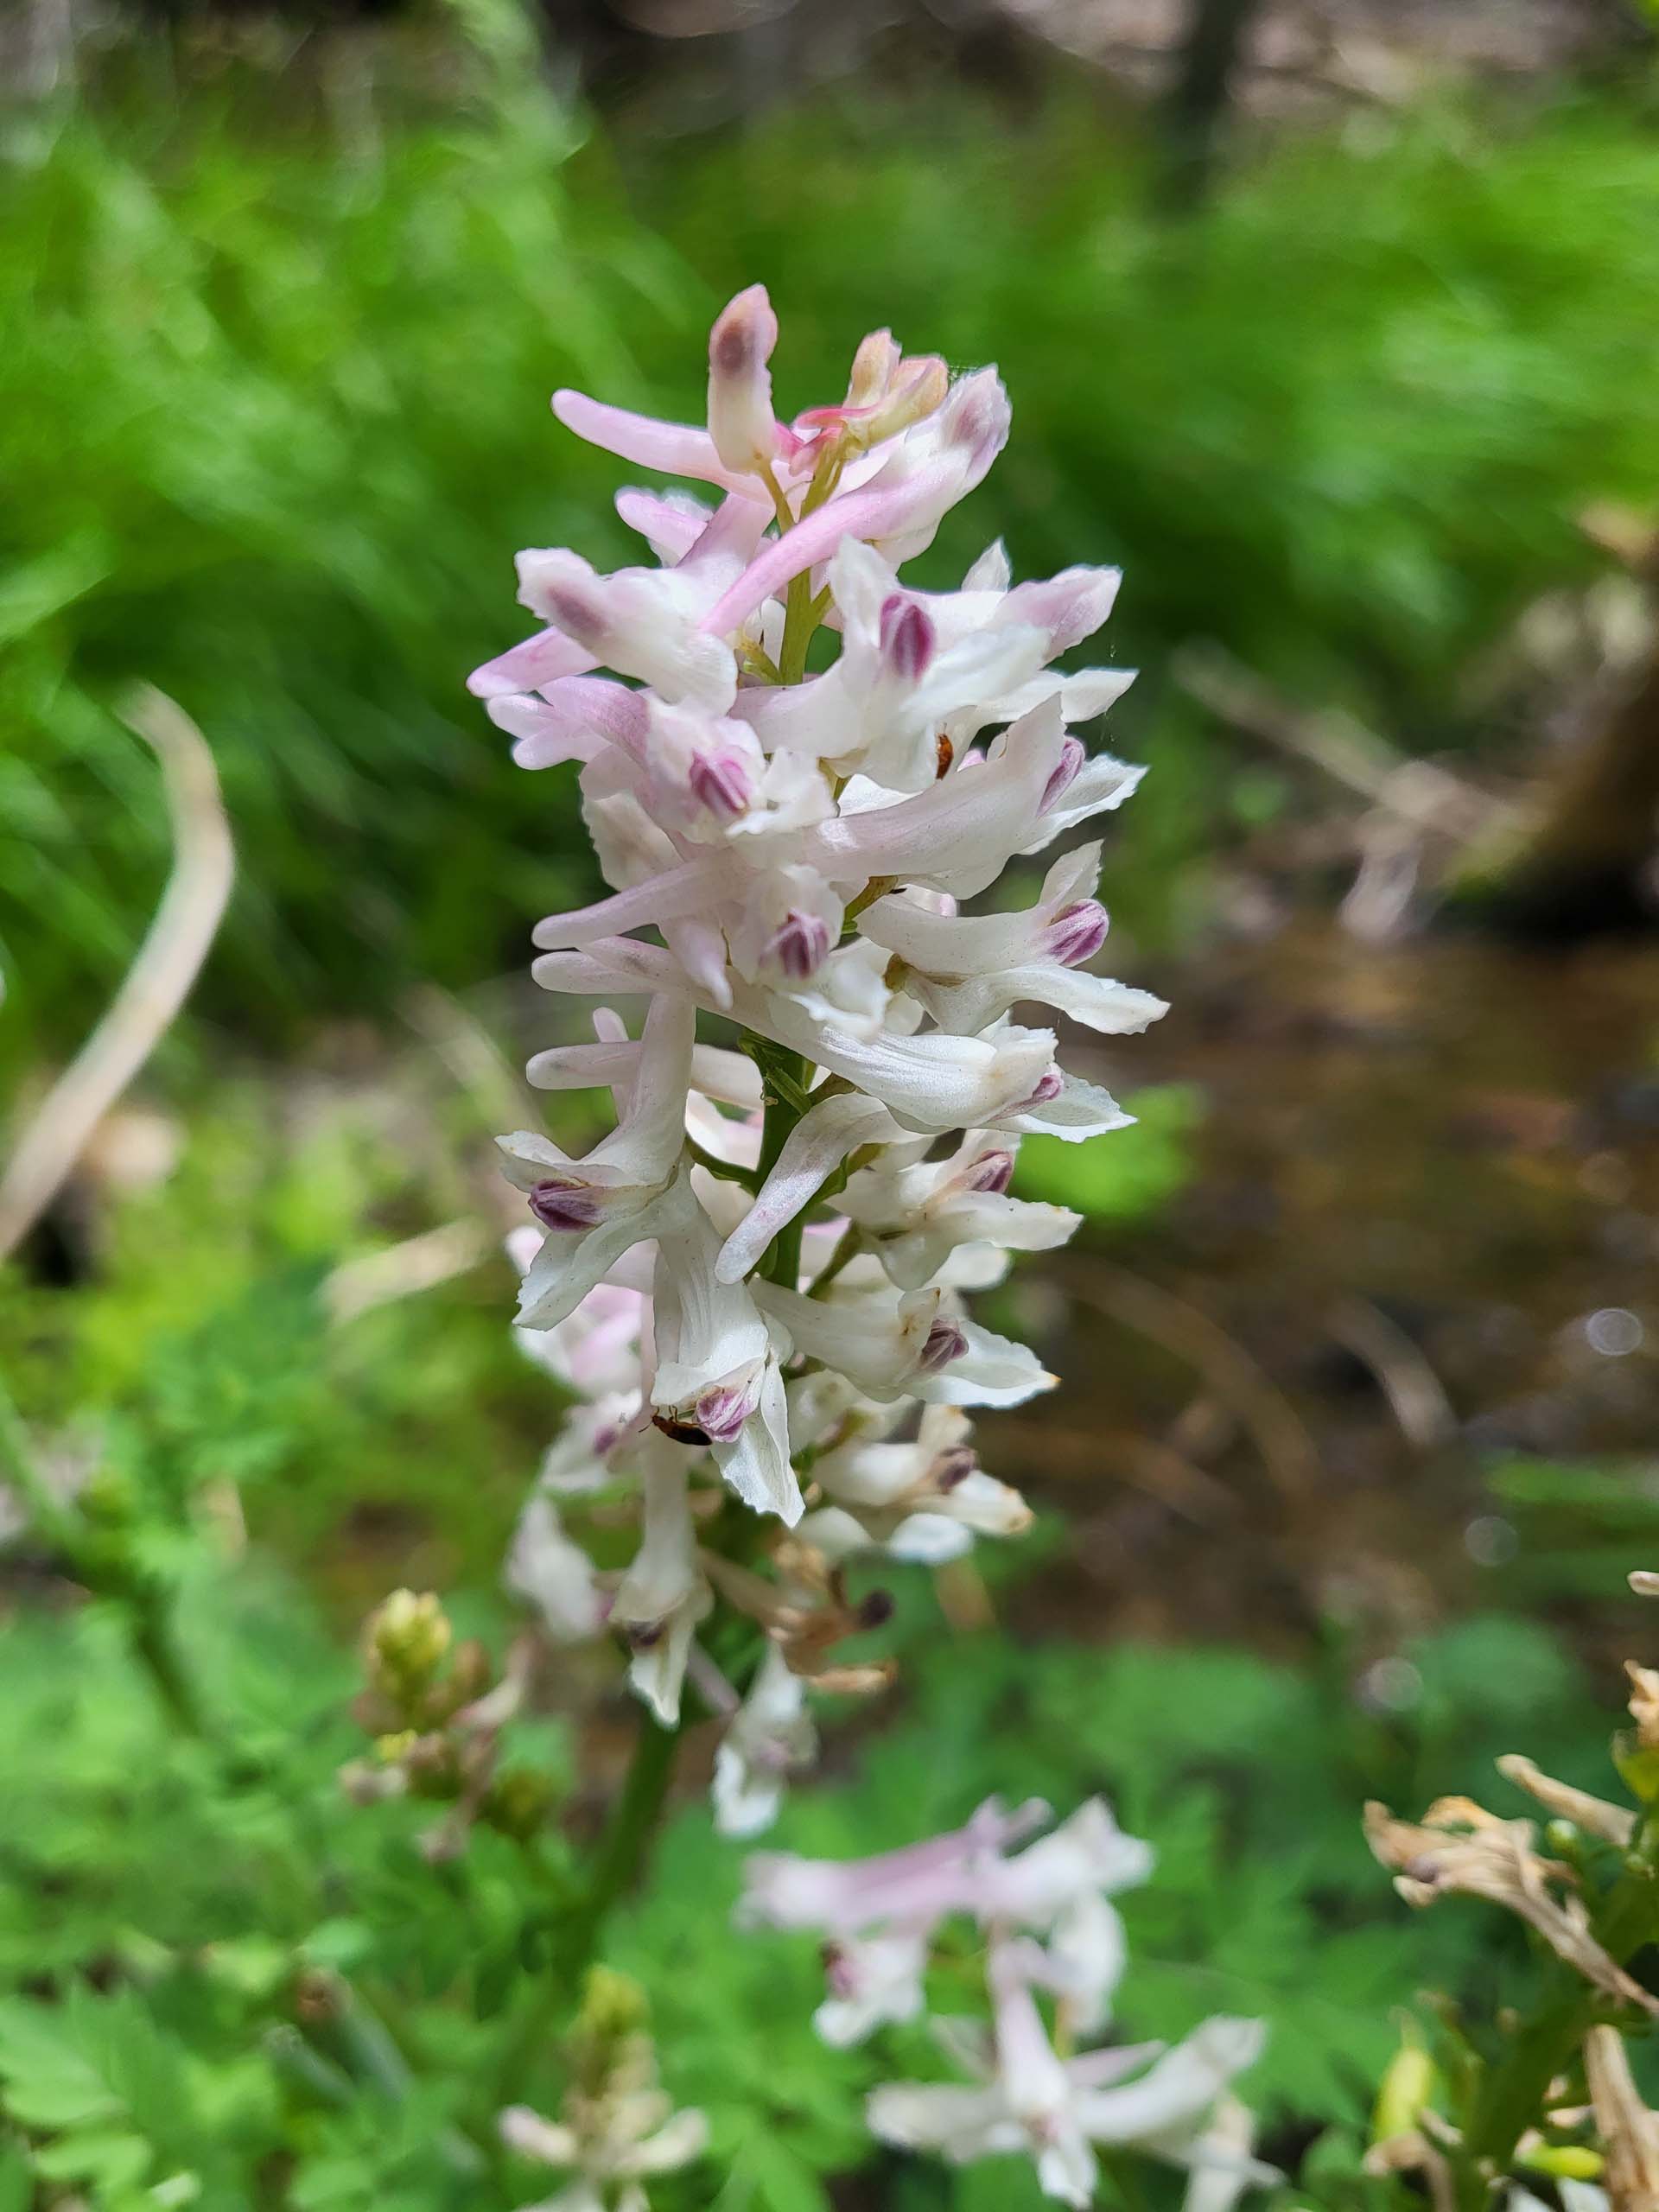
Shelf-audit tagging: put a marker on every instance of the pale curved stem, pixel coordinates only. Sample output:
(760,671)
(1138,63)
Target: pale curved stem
(156,985)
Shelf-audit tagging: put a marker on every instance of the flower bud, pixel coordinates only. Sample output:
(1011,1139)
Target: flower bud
(1403,2093)
(799,945)
(1077,933)
(722,783)
(723,1411)
(1563,2161)
(906,637)
(916,391)
(431,1767)
(610,2038)
(517,1804)
(885,394)
(568,1207)
(739,387)
(874,364)
(946,1342)
(408,1640)
(1065,772)
(992,1171)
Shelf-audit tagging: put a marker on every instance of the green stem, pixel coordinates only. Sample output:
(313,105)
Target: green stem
(724,1170)
(798,626)
(786,1080)
(152,1641)
(781,1262)
(618,1863)
(846,1250)
(626,1841)
(802,611)
(1514,2092)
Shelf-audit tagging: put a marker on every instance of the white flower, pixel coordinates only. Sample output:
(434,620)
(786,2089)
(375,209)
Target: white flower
(872,1981)
(555,1575)
(918,1214)
(916,1886)
(914,1346)
(611,2142)
(876,711)
(644,616)
(595,1209)
(583,1456)
(594,1350)
(717,1370)
(934,1083)
(925,1500)
(769,1734)
(663,1596)
(968,972)
(1057,2109)
(642,622)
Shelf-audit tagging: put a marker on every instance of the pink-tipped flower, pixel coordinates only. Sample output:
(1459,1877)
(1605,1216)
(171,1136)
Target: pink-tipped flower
(968,970)
(642,622)
(800,944)
(721,781)
(1066,769)
(906,637)
(885,394)
(992,1171)
(563,1205)
(721,1412)
(955,1465)
(741,420)
(946,1341)
(919,1215)
(622,1192)
(1077,933)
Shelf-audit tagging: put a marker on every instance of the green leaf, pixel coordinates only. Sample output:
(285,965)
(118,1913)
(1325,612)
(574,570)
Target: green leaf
(1126,1174)
(50,2081)
(109,2159)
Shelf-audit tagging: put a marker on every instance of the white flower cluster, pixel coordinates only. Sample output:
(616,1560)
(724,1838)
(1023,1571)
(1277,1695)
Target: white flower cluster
(1050,1932)
(756,1282)
(617,2128)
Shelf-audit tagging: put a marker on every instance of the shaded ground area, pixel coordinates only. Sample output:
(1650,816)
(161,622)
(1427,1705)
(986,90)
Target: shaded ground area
(1420,1239)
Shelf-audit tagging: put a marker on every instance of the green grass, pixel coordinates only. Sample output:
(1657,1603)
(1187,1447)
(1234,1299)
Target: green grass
(273,420)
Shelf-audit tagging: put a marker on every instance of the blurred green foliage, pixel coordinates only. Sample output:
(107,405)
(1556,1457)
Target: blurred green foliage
(222,1983)
(270,1991)
(275,407)
(1131,1176)
(274,413)
(1340,421)
(274,422)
